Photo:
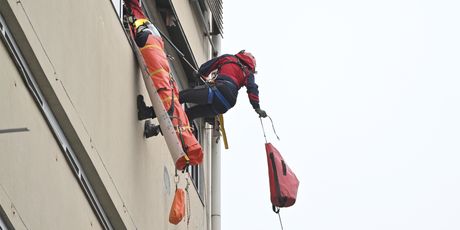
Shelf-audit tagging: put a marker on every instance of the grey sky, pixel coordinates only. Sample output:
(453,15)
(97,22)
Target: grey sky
(365,97)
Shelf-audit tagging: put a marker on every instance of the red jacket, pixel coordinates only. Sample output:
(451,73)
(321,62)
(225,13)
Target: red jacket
(238,69)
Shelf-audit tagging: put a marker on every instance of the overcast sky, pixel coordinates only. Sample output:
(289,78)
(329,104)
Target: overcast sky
(365,98)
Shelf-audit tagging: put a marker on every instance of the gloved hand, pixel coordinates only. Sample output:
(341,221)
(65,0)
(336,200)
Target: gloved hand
(261,112)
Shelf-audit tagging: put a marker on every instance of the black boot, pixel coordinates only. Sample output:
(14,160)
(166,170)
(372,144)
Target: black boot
(143,111)
(150,129)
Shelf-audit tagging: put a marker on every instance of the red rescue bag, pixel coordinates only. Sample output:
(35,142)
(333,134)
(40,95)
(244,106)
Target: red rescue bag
(283,182)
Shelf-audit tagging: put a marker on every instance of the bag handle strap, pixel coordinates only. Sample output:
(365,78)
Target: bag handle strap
(263,128)
(277,211)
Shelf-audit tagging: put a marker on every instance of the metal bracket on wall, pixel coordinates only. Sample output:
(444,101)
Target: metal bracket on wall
(15,130)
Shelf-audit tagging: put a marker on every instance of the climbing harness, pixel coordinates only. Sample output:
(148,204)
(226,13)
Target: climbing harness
(213,91)
(243,67)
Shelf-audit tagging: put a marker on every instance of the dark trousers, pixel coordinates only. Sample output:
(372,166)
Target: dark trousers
(199,96)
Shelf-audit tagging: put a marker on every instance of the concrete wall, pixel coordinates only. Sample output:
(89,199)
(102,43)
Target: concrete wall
(86,70)
(37,187)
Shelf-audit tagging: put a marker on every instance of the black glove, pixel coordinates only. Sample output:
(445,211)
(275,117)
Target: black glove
(261,112)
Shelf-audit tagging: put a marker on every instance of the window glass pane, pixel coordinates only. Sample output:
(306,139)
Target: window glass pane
(117,5)
(2,224)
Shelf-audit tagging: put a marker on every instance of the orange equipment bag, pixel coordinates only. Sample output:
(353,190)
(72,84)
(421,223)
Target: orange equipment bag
(177,212)
(159,70)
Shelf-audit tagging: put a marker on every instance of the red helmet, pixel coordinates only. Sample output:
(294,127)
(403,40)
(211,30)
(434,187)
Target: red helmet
(248,59)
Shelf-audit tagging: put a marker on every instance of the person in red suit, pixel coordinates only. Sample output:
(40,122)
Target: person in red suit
(233,72)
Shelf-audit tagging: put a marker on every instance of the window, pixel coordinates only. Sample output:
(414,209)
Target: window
(118,5)
(197,177)
(216,8)
(2,225)
(4,221)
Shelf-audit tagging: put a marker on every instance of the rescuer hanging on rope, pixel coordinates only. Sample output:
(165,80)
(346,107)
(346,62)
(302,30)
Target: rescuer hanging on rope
(219,95)
(233,72)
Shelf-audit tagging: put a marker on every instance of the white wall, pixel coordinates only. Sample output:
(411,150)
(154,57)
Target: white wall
(86,69)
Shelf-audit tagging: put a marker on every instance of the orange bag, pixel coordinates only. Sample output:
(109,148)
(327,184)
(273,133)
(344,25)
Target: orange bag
(177,211)
(158,66)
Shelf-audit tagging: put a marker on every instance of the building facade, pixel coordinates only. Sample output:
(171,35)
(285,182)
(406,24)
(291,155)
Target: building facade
(72,152)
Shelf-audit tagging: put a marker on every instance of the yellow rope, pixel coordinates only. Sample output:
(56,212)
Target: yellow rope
(222,129)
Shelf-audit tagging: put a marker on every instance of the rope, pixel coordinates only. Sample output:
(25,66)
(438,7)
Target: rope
(263,129)
(281,223)
(182,55)
(188,201)
(273,126)
(176,178)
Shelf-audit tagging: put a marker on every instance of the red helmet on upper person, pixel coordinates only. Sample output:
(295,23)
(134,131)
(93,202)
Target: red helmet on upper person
(248,59)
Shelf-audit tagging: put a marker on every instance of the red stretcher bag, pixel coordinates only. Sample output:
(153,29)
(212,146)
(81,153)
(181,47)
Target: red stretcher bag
(283,182)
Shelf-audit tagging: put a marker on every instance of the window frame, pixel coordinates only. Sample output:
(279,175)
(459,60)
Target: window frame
(118,6)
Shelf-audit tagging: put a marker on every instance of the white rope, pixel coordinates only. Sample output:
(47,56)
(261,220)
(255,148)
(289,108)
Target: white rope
(281,223)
